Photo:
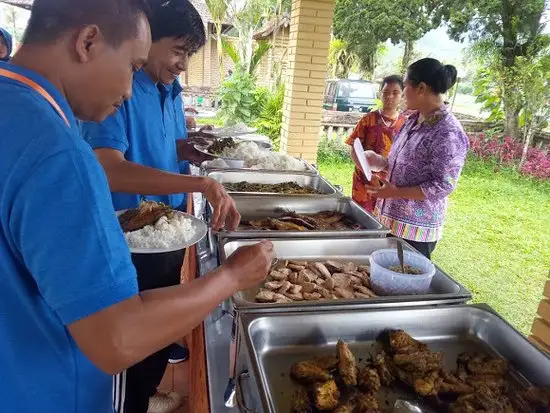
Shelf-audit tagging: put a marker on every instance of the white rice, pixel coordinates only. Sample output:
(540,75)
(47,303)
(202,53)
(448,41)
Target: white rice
(258,158)
(166,233)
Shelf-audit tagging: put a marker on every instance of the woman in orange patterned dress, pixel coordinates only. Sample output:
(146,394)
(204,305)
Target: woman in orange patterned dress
(376,131)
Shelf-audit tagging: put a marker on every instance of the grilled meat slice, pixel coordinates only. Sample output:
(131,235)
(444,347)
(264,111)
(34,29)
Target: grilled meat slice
(148,213)
(539,396)
(451,384)
(385,368)
(347,365)
(301,402)
(345,293)
(334,266)
(368,380)
(327,363)
(326,395)
(298,221)
(421,362)
(367,403)
(307,372)
(312,296)
(284,226)
(348,407)
(401,342)
(487,365)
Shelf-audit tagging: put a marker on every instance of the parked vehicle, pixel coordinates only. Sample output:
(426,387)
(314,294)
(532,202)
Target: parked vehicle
(350,95)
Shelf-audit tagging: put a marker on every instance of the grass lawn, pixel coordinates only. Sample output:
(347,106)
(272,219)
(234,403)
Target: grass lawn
(497,237)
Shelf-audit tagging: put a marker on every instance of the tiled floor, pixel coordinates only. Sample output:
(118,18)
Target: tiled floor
(176,379)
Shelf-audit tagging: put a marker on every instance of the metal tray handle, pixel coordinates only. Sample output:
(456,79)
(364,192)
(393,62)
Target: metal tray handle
(241,403)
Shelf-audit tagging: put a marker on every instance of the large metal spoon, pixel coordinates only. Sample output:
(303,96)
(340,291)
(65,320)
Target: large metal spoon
(401,256)
(404,406)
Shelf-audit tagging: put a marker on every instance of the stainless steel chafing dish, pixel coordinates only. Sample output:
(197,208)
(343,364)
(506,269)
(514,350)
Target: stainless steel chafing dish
(311,181)
(256,207)
(273,342)
(310,170)
(444,290)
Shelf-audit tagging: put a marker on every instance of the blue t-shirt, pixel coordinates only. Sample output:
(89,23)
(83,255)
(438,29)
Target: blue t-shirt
(63,256)
(145,130)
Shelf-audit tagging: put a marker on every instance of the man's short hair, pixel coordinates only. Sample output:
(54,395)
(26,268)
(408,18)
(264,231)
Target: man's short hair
(176,18)
(117,19)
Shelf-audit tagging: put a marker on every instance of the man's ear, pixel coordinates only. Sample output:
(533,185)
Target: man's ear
(89,42)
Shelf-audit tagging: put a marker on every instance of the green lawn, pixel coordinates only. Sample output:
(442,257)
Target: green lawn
(497,237)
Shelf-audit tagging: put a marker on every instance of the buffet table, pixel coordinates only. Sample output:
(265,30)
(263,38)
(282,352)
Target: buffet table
(447,322)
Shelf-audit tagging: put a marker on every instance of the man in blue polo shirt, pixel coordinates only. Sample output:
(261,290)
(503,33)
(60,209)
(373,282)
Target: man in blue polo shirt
(139,148)
(70,311)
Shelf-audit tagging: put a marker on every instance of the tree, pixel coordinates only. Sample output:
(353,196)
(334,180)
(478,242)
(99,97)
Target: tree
(218,10)
(262,47)
(512,26)
(341,59)
(364,24)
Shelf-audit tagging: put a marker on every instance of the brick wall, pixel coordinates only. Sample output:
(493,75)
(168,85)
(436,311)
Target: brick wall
(540,333)
(309,40)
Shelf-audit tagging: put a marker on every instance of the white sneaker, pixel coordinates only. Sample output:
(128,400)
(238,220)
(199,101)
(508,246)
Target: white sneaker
(164,403)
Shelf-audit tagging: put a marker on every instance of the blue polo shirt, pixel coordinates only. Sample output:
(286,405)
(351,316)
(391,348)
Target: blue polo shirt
(145,130)
(63,256)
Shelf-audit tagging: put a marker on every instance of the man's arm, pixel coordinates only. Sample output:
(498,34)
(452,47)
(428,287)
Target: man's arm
(130,177)
(114,338)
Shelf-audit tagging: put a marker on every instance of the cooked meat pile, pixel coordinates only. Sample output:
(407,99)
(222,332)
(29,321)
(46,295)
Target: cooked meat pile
(408,269)
(148,213)
(480,384)
(291,221)
(283,188)
(220,144)
(290,281)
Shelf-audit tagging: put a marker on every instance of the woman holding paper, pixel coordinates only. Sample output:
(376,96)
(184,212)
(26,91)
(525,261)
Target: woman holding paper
(425,161)
(375,132)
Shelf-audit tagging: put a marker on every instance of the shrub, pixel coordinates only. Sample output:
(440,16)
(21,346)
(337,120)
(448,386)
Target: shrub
(270,119)
(237,98)
(507,152)
(333,151)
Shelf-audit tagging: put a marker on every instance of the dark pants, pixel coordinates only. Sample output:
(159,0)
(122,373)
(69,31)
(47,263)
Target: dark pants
(425,248)
(135,386)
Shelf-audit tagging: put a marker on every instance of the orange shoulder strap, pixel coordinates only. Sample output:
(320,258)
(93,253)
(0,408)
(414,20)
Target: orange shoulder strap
(39,89)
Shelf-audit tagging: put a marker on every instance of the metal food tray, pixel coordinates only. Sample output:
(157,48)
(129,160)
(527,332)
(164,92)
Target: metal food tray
(315,182)
(275,341)
(255,207)
(309,171)
(443,290)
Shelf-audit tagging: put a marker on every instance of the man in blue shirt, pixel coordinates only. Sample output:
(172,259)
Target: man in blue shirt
(70,311)
(139,148)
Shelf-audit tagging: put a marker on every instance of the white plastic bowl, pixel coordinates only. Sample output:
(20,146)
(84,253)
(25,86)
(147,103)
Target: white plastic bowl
(234,163)
(387,282)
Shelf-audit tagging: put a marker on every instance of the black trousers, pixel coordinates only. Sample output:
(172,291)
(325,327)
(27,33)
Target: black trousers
(134,387)
(425,248)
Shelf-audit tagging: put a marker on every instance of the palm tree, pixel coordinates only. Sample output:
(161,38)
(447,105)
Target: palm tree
(218,11)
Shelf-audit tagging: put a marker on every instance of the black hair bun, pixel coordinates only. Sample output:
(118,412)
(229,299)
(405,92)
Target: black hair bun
(450,75)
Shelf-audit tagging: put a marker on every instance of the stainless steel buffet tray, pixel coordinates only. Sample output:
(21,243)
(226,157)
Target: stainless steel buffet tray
(311,181)
(444,290)
(275,341)
(309,171)
(255,207)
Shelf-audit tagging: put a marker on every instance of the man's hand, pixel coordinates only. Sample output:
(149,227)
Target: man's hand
(191,109)
(187,152)
(190,122)
(225,214)
(249,265)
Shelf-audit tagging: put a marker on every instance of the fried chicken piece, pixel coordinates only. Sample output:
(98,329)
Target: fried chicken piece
(401,342)
(487,366)
(323,271)
(334,266)
(295,297)
(384,367)
(497,383)
(274,285)
(364,290)
(329,284)
(312,296)
(295,289)
(347,365)
(482,400)
(368,380)
(148,213)
(281,298)
(349,407)
(278,276)
(341,280)
(364,268)
(307,372)
(367,403)
(284,226)
(285,286)
(427,385)
(265,296)
(327,362)
(539,396)
(421,362)
(301,402)
(326,395)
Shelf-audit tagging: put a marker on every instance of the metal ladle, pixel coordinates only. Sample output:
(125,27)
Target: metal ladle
(401,256)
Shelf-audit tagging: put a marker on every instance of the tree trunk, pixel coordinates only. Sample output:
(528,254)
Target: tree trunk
(407,55)
(220,50)
(511,120)
(529,134)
